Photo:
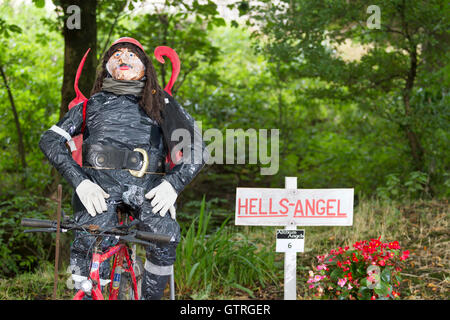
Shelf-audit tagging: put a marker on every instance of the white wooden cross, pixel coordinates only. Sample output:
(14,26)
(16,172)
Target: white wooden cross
(291,207)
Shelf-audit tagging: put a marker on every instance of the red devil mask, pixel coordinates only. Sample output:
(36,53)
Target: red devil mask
(124,64)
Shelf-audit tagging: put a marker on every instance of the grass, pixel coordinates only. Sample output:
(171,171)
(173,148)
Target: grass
(229,262)
(222,262)
(35,286)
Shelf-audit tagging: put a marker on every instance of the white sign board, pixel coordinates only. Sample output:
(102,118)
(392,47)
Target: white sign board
(290,240)
(302,207)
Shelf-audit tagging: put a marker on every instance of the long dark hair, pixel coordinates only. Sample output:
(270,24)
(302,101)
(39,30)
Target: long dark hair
(153,96)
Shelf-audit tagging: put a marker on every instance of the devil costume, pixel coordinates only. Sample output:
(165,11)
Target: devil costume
(115,125)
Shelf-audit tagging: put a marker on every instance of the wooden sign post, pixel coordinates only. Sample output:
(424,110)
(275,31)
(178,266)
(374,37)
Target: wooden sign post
(58,219)
(291,207)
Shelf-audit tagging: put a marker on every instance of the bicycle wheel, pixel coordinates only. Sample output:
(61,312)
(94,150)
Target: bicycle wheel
(126,284)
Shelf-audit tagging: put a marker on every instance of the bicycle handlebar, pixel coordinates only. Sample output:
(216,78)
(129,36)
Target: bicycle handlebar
(51,227)
(36,223)
(153,237)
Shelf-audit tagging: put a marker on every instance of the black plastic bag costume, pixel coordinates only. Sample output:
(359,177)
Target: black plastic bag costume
(118,122)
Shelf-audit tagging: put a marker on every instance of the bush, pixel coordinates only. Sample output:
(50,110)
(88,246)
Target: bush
(369,271)
(20,251)
(413,186)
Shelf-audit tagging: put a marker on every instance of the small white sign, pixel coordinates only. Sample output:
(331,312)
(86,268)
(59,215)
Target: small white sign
(290,240)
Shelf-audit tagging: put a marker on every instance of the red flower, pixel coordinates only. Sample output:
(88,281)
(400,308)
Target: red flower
(394,245)
(405,255)
(375,242)
(363,254)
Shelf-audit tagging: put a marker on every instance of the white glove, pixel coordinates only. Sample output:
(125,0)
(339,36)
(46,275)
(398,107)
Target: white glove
(92,197)
(164,197)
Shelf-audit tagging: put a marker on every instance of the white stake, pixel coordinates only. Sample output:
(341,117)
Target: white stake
(290,258)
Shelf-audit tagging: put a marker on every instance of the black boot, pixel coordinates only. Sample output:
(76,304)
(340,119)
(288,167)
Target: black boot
(153,286)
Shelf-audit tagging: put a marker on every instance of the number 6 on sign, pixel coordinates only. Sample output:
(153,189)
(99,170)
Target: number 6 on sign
(290,240)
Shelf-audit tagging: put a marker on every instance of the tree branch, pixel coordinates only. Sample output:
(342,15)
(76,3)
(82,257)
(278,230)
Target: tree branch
(20,144)
(192,68)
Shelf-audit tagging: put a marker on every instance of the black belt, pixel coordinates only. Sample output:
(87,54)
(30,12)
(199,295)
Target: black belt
(107,157)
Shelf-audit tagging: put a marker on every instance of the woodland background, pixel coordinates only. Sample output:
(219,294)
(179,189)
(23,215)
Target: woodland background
(357,107)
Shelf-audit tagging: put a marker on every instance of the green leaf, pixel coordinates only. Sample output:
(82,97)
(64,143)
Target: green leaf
(15,28)
(219,22)
(382,290)
(361,270)
(332,262)
(363,282)
(336,274)
(191,273)
(238,286)
(39,3)
(386,275)
(365,293)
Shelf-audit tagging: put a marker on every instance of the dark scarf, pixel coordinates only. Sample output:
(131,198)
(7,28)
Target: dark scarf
(121,87)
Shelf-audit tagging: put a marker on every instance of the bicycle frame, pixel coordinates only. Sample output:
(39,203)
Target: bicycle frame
(121,252)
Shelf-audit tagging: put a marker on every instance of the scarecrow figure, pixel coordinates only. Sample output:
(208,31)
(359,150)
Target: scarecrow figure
(127,126)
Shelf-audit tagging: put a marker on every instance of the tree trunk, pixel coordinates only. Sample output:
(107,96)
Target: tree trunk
(76,42)
(417,150)
(20,144)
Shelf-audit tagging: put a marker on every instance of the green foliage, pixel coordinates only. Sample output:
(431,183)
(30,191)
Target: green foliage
(385,72)
(37,285)
(413,185)
(7,29)
(30,70)
(19,251)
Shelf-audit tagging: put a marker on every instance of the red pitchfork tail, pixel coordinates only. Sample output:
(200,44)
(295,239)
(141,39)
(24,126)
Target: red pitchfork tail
(79,95)
(175,60)
(76,154)
(173,57)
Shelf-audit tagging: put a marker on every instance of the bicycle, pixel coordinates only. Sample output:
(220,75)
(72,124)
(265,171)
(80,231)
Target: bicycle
(120,286)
